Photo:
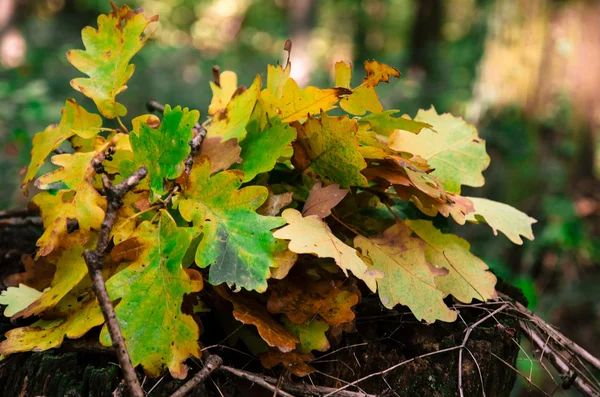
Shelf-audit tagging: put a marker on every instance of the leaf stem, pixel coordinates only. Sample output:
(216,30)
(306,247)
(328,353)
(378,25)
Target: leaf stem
(125,130)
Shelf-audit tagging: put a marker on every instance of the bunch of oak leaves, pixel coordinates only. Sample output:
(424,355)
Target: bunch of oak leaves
(289,212)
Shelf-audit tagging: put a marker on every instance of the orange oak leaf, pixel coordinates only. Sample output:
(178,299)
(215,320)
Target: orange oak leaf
(251,312)
(300,300)
(295,362)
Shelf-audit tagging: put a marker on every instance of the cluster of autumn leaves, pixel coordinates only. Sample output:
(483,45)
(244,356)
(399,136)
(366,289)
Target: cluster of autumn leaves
(282,205)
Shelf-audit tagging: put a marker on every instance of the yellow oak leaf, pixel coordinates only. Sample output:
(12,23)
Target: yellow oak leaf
(310,235)
(468,277)
(408,277)
(502,217)
(222,93)
(297,104)
(75,121)
(106,57)
(329,147)
(77,198)
(230,122)
(363,98)
(18,298)
(70,270)
(277,76)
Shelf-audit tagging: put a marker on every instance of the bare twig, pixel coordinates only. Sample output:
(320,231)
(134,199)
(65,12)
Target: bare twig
(393,367)
(558,362)
(95,262)
(310,390)
(21,222)
(560,338)
(17,213)
(464,345)
(255,379)
(212,362)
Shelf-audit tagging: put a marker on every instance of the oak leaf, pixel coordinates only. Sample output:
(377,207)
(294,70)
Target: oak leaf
(106,57)
(162,150)
(78,199)
(329,147)
(311,335)
(231,122)
(262,148)
(468,277)
(452,147)
(75,120)
(275,203)
(151,291)
(301,301)
(251,312)
(408,277)
(364,98)
(222,92)
(502,217)
(310,235)
(295,103)
(385,124)
(18,298)
(237,242)
(38,273)
(296,363)
(222,154)
(322,199)
(70,270)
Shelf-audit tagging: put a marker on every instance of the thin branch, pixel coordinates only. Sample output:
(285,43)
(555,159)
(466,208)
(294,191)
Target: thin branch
(560,338)
(393,367)
(255,379)
(212,363)
(558,362)
(17,213)
(310,390)
(464,345)
(95,262)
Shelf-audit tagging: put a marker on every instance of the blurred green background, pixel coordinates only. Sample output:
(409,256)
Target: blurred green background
(526,72)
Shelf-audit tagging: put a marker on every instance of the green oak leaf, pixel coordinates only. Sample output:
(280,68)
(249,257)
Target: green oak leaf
(162,150)
(151,291)
(311,334)
(237,242)
(261,149)
(106,57)
(452,148)
(386,124)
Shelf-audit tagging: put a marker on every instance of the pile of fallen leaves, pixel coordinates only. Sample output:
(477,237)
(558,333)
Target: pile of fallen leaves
(276,219)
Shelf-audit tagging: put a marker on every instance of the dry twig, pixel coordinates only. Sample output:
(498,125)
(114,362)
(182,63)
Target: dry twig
(255,379)
(212,363)
(464,345)
(557,361)
(95,262)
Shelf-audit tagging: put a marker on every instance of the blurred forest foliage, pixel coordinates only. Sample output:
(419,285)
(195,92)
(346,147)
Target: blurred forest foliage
(526,72)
